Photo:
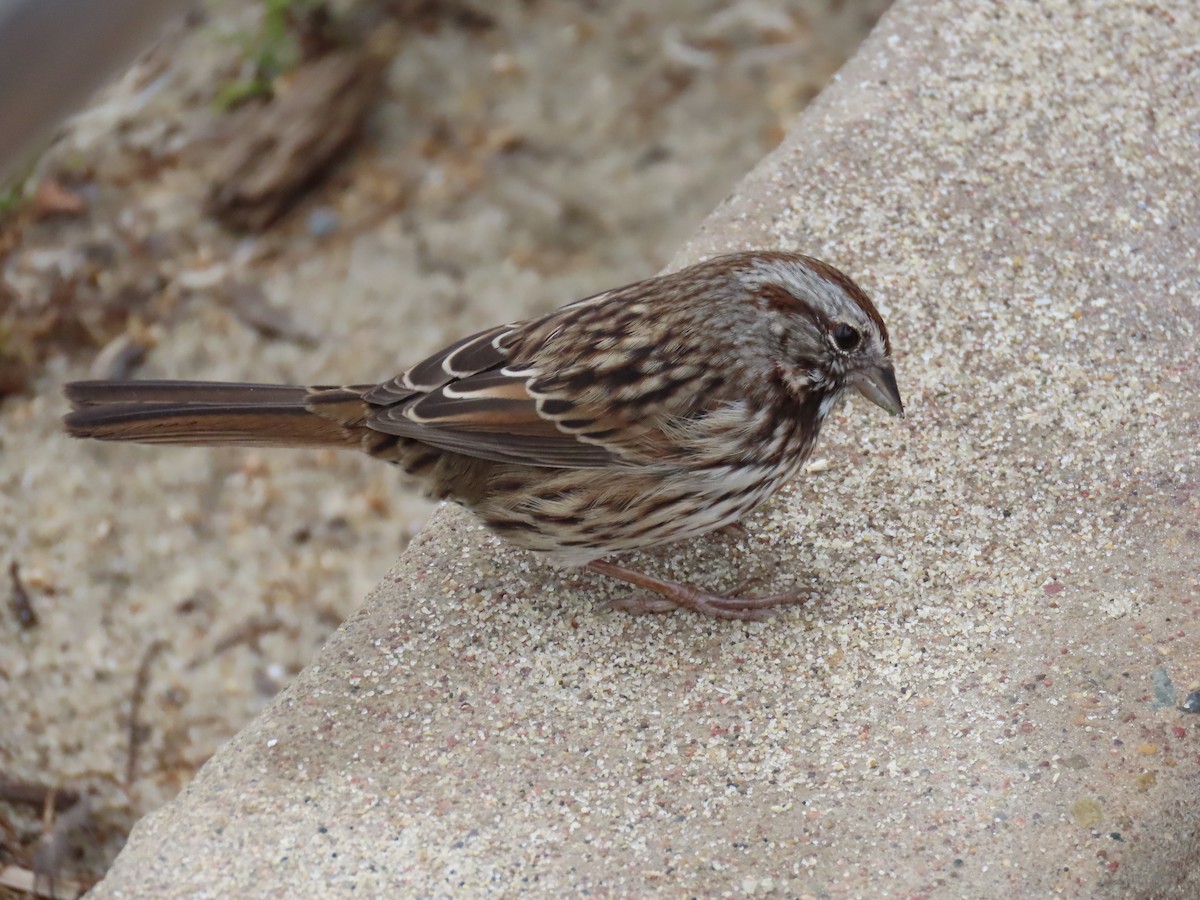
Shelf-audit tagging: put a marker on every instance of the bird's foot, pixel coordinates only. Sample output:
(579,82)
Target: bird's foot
(672,596)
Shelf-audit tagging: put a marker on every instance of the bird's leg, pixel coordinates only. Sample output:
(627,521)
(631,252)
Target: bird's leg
(735,531)
(673,596)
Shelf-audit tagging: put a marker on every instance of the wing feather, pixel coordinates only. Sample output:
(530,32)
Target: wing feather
(567,390)
(490,416)
(474,353)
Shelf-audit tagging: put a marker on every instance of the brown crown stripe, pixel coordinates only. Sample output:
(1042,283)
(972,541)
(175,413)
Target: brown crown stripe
(847,284)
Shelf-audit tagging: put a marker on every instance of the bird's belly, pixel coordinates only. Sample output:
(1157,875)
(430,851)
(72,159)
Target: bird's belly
(577,517)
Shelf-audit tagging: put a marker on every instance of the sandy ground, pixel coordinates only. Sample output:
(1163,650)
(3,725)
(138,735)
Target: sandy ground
(510,168)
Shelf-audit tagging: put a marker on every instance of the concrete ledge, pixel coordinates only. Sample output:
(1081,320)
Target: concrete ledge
(981,695)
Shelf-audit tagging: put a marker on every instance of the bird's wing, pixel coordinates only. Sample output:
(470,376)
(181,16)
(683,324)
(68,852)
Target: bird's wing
(579,388)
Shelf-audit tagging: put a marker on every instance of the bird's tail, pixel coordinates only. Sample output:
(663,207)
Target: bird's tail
(202,413)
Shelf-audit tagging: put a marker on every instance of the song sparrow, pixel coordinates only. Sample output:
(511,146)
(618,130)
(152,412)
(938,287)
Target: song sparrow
(642,415)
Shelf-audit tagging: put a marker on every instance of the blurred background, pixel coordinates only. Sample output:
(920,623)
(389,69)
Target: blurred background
(309,192)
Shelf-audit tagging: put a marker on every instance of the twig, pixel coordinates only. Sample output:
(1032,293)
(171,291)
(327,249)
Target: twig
(19,602)
(28,793)
(136,735)
(249,634)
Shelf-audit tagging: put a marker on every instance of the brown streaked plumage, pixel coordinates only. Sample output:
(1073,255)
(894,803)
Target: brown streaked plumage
(643,415)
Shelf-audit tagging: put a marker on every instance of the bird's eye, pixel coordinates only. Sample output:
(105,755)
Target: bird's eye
(846,337)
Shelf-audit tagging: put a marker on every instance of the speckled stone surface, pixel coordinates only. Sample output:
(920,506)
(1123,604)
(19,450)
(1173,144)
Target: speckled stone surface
(981,695)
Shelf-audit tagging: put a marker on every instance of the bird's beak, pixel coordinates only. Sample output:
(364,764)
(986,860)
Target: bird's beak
(878,384)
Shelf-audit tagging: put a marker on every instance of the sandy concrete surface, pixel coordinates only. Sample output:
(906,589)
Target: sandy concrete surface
(981,695)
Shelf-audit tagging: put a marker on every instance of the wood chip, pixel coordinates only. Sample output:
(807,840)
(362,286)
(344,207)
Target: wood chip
(280,148)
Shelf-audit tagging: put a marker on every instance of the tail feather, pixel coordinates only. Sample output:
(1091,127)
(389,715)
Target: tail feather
(208,414)
(96,393)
